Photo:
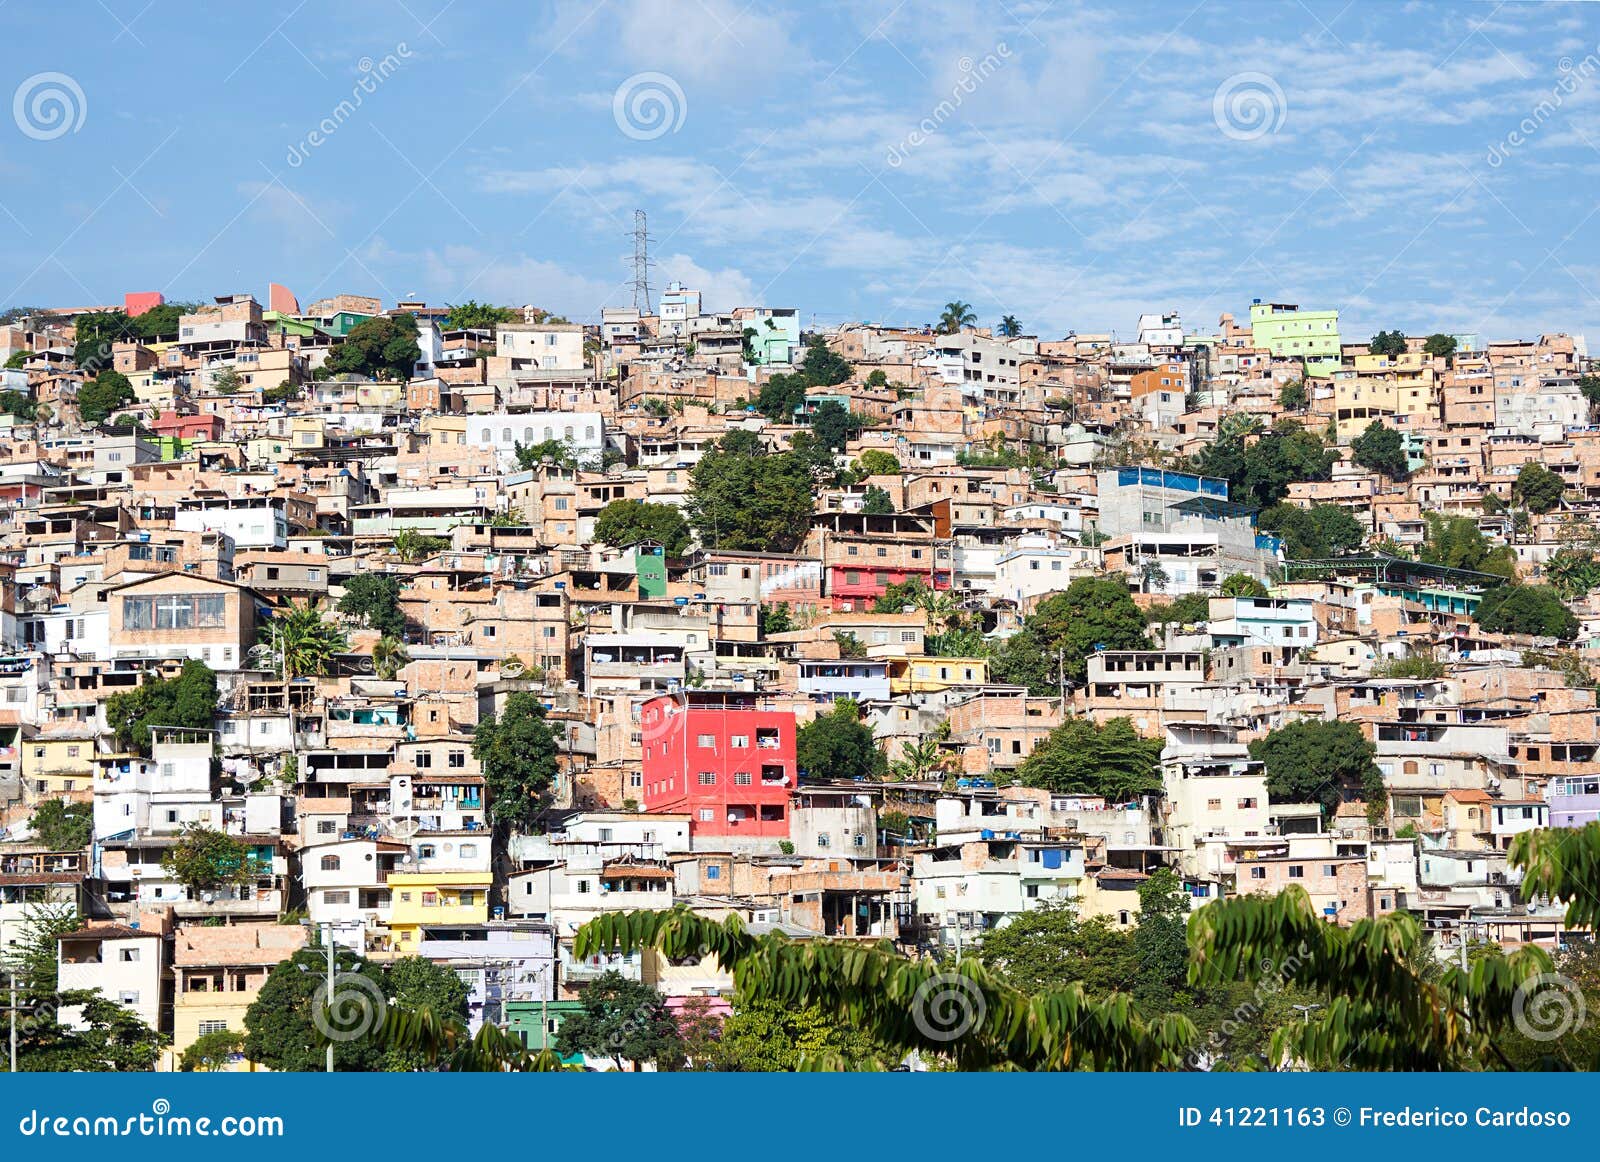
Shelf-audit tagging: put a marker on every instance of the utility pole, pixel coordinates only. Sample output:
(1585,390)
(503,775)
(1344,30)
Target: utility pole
(327,938)
(13,975)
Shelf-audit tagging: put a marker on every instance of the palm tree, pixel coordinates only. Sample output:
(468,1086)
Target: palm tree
(389,657)
(302,641)
(1010,326)
(921,759)
(1388,1003)
(956,315)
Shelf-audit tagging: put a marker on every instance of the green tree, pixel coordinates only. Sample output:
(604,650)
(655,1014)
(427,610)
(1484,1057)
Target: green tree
(744,498)
(1293,396)
(1050,947)
(415,982)
(379,348)
(832,425)
(188,700)
(373,599)
(558,452)
(1160,940)
(1186,610)
(876,502)
(1094,613)
(281,1023)
(1526,609)
(955,316)
(16,360)
(111,1038)
(838,745)
(1242,585)
(63,826)
(626,522)
(1440,346)
(1572,572)
(301,642)
(1536,488)
(1260,468)
(414,545)
(161,322)
(109,391)
(624,1020)
(850,646)
(781,397)
(15,403)
(93,336)
(283,393)
(475,316)
(1589,385)
(1320,762)
(1390,343)
(875,462)
(389,657)
(204,859)
(211,1052)
(517,751)
(1323,530)
(1457,543)
(1381,449)
(1080,758)
(777,618)
(764,1037)
(822,366)
(1010,327)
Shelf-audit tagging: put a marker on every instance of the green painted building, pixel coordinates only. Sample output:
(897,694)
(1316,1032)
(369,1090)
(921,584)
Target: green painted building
(536,1023)
(651,563)
(1288,332)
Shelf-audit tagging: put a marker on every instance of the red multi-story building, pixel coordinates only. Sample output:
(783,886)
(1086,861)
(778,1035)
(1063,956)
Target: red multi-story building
(722,758)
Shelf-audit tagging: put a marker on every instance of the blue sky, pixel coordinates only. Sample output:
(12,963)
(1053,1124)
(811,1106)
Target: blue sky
(1072,164)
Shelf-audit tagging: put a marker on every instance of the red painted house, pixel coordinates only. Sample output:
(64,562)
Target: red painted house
(197,427)
(863,554)
(723,759)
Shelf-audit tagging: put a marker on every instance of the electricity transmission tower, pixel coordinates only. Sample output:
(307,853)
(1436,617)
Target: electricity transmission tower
(641,264)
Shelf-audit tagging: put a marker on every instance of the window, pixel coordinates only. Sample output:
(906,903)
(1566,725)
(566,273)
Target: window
(708,741)
(330,863)
(859,841)
(326,826)
(583,887)
(340,897)
(1297,871)
(713,873)
(424,759)
(1258,873)
(739,740)
(213,1027)
(128,955)
(173,611)
(458,758)
(822,839)
(707,778)
(706,815)
(129,996)
(741,778)
(1330,870)
(430,899)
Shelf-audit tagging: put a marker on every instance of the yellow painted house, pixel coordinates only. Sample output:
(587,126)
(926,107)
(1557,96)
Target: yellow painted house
(418,898)
(58,763)
(919,675)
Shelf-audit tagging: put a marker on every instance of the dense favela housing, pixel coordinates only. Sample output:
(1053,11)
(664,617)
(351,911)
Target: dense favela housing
(427,635)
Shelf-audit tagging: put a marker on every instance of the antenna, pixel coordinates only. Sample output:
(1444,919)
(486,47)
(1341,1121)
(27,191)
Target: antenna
(641,265)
